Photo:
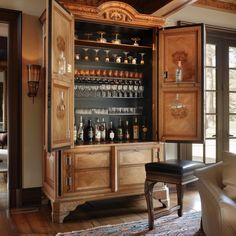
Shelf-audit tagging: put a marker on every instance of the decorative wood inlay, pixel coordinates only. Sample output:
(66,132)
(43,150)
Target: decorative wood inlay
(228,6)
(113,12)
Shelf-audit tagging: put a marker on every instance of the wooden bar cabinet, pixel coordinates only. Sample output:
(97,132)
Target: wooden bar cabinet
(113,63)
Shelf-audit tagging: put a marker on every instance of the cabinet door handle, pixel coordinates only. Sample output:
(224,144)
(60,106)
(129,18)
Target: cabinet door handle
(165,74)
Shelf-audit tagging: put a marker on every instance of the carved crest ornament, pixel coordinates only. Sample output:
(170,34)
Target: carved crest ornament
(113,11)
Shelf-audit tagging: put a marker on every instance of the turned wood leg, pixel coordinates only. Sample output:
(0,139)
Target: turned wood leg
(148,190)
(180,194)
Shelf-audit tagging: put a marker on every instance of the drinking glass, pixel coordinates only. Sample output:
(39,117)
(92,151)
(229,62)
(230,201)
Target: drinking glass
(142,60)
(86,57)
(116,40)
(96,58)
(101,39)
(88,35)
(107,59)
(135,39)
(126,57)
(114,56)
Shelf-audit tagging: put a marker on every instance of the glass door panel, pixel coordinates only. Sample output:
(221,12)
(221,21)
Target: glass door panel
(232,98)
(207,152)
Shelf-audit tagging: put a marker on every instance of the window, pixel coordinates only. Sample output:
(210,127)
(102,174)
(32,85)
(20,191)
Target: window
(220,98)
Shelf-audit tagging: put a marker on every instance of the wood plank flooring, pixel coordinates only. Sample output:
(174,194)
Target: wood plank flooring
(37,221)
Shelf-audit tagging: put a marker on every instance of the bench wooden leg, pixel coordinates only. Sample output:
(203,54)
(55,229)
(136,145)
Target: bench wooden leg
(148,190)
(180,194)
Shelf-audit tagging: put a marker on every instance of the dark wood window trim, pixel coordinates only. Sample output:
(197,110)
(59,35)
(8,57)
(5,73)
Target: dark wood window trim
(14,20)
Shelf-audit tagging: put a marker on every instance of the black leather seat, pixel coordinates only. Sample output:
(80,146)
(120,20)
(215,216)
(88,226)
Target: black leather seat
(178,172)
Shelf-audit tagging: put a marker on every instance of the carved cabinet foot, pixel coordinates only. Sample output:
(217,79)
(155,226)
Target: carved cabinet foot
(63,209)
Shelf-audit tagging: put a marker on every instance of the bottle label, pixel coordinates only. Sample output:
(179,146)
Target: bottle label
(112,135)
(90,134)
(135,133)
(119,134)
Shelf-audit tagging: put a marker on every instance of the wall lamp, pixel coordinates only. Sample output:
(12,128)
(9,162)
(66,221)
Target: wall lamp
(34,74)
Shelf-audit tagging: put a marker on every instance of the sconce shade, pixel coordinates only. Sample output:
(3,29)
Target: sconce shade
(34,74)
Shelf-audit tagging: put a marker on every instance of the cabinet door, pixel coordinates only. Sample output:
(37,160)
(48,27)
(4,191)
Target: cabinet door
(59,76)
(181,101)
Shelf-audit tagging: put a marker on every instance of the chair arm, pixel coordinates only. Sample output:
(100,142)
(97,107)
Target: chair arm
(218,210)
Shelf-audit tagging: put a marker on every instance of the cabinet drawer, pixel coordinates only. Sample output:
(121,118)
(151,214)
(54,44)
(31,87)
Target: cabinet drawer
(133,175)
(92,160)
(92,179)
(134,156)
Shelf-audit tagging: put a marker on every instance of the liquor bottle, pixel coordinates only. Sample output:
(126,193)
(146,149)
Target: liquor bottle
(111,133)
(97,131)
(75,133)
(80,131)
(178,72)
(89,131)
(126,131)
(103,130)
(119,131)
(144,130)
(135,129)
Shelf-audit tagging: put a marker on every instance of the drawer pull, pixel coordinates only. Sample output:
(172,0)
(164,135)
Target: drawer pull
(68,161)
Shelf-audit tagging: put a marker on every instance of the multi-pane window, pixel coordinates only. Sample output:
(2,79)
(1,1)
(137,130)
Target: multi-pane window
(232,99)
(220,98)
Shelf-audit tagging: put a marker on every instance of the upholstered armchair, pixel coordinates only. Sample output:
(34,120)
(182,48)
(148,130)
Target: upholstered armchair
(218,199)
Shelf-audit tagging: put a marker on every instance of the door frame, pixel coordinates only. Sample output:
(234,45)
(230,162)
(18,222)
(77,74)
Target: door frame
(14,83)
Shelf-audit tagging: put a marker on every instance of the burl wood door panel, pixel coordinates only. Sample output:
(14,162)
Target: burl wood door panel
(181,101)
(59,73)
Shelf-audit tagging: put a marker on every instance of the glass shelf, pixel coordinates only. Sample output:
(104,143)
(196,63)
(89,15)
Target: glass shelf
(110,63)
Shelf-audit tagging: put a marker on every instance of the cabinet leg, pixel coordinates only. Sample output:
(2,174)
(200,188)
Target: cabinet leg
(62,209)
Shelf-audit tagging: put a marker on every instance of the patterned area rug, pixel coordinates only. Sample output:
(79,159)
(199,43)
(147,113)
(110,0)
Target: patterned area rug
(171,225)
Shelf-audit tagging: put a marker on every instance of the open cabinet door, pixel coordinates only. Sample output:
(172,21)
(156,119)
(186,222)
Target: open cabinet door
(59,76)
(181,73)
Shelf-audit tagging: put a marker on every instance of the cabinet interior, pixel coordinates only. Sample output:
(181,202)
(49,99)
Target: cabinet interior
(116,88)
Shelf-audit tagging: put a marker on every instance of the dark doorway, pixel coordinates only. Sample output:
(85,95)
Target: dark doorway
(14,112)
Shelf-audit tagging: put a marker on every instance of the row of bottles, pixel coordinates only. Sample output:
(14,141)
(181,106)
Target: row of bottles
(99,132)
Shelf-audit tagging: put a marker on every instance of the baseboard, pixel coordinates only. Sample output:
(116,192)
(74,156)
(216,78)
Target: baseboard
(31,196)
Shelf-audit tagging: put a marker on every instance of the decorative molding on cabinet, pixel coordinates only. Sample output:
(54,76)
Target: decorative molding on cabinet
(113,11)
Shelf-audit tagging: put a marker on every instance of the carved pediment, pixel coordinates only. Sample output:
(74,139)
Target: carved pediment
(114,12)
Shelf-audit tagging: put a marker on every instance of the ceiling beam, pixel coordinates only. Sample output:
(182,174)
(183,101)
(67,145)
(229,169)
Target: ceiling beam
(223,5)
(172,7)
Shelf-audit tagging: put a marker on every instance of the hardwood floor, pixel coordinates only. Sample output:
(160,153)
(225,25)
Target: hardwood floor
(37,221)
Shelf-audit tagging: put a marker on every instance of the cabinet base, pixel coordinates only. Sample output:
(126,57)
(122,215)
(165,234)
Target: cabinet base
(62,209)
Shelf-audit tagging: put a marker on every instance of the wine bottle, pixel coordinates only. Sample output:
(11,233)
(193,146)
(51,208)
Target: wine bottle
(80,131)
(97,131)
(135,129)
(126,131)
(144,130)
(111,133)
(103,130)
(119,131)
(89,132)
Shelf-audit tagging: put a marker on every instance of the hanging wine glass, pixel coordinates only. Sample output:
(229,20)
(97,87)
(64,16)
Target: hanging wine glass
(86,57)
(142,60)
(96,58)
(107,59)
(135,39)
(101,39)
(126,57)
(116,40)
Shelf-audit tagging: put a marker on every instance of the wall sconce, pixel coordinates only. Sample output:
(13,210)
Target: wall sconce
(34,74)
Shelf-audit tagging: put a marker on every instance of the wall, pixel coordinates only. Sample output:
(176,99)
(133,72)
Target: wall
(32,113)
(203,15)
